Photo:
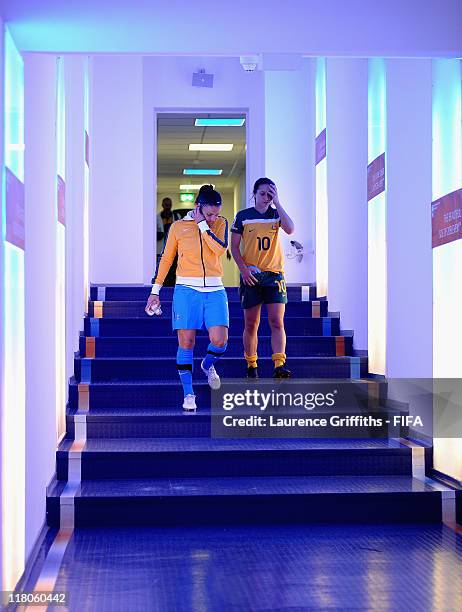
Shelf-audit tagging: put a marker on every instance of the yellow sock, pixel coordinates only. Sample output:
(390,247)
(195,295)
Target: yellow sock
(251,360)
(279,359)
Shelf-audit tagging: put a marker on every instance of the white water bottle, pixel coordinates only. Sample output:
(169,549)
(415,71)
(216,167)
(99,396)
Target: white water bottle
(154,310)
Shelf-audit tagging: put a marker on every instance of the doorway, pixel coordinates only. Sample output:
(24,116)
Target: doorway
(194,149)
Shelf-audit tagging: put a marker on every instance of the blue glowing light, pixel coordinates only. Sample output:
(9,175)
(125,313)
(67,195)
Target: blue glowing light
(201,172)
(225,122)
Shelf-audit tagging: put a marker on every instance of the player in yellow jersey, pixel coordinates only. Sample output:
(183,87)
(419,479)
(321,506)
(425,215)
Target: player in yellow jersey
(257,251)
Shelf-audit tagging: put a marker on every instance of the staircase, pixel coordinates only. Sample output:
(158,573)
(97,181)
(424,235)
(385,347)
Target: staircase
(131,457)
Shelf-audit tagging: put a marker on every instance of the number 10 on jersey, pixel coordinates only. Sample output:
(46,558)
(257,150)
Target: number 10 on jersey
(263,243)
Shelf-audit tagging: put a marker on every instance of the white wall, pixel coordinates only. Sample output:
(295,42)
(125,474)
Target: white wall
(409,193)
(2,284)
(289,158)
(447,258)
(346,119)
(167,87)
(75,193)
(116,171)
(284,142)
(40,285)
(447,177)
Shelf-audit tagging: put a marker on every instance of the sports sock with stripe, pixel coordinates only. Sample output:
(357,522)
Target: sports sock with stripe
(184,363)
(213,355)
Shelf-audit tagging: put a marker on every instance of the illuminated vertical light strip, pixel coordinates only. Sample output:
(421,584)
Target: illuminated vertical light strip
(377,210)
(13,426)
(322,219)
(447,258)
(60,256)
(86,231)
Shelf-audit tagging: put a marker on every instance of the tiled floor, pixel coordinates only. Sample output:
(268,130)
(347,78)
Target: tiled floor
(409,568)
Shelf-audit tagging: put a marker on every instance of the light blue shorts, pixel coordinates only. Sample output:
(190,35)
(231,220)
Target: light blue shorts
(193,309)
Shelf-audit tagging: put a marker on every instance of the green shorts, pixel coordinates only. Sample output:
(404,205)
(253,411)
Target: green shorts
(270,289)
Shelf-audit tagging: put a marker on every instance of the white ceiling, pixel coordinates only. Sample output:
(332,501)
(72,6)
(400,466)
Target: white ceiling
(175,132)
(393,28)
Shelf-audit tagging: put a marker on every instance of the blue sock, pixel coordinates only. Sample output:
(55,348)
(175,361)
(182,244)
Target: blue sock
(213,355)
(184,363)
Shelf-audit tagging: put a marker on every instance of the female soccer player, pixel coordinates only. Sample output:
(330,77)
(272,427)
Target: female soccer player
(262,272)
(199,298)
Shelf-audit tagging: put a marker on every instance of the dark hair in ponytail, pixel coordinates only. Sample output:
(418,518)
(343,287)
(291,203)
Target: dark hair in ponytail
(207,196)
(261,181)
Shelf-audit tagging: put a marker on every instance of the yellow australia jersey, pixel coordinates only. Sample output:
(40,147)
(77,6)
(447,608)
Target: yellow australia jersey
(260,244)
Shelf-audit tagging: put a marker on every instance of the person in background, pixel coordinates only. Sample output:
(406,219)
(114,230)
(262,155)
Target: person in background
(199,299)
(261,265)
(166,216)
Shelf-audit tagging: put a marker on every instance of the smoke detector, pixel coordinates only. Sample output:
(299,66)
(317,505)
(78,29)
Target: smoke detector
(250,62)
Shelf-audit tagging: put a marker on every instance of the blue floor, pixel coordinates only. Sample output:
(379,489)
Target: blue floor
(264,568)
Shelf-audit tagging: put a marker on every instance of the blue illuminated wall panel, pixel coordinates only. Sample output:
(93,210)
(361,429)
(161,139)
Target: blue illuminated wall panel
(13,400)
(322,218)
(377,254)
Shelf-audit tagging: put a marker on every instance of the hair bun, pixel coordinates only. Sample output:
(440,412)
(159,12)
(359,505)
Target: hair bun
(208,196)
(206,189)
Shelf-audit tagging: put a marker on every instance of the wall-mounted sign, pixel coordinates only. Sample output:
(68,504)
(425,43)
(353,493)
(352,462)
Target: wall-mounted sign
(187,197)
(61,200)
(321,146)
(376,177)
(447,218)
(15,210)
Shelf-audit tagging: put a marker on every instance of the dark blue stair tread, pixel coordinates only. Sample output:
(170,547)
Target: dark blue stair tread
(330,315)
(237,338)
(108,413)
(170,302)
(198,383)
(232,320)
(146,346)
(160,445)
(141,383)
(135,310)
(103,414)
(248,485)
(150,326)
(163,358)
(137,289)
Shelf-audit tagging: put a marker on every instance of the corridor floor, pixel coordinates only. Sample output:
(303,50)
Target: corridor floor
(294,568)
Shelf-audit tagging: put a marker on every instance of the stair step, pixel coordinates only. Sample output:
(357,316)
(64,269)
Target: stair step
(155,326)
(114,310)
(297,346)
(170,423)
(141,292)
(163,367)
(173,457)
(288,499)
(169,393)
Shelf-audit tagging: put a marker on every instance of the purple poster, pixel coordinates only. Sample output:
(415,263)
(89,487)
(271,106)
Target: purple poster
(321,146)
(376,177)
(15,212)
(447,218)
(61,200)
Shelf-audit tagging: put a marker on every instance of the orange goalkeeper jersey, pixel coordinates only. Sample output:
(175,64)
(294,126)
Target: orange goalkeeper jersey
(199,248)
